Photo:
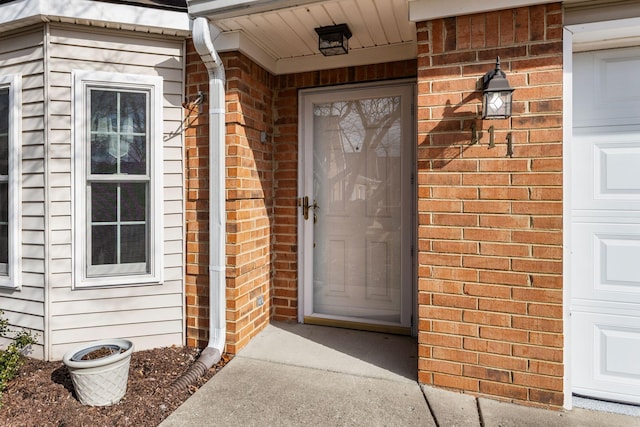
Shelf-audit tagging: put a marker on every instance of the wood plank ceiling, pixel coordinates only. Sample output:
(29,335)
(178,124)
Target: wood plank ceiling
(289,32)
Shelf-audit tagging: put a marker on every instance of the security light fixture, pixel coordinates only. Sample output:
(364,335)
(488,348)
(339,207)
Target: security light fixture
(334,39)
(496,99)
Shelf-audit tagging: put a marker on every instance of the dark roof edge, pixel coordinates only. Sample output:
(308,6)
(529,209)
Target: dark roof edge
(173,5)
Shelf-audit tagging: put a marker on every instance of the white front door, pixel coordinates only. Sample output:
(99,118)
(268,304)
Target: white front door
(605,232)
(356,205)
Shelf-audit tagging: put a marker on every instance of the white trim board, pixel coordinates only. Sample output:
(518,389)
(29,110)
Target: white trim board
(134,17)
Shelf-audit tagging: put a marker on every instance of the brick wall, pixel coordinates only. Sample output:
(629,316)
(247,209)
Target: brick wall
(196,132)
(490,226)
(285,291)
(249,196)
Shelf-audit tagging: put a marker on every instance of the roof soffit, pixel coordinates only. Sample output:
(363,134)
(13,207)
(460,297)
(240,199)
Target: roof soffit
(279,34)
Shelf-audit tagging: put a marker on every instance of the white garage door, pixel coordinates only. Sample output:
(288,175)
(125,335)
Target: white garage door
(605,233)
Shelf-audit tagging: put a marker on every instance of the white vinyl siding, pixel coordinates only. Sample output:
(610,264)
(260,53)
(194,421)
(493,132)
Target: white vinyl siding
(150,315)
(22,298)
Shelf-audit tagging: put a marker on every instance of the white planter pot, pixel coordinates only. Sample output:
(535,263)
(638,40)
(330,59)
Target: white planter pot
(102,381)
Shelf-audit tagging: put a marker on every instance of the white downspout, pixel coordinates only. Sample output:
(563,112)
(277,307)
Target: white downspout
(203,41)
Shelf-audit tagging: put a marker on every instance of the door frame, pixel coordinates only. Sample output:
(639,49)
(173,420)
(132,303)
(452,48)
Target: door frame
(305,268)
(576,38)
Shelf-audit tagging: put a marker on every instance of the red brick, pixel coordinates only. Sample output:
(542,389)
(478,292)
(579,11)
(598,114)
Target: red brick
(455,355)
(505,221)
(546,397)
(504,362)
(440,340)
(546,368)
(537,324)
(487,290)
(537,381)
(503,306)
(455,382)
(457,301)
(485,263)
(485,318)
(537,353)
(485,373)
(538,295)
(546,339)
(442,313)
(502,249)
(487,346)
(504,334)
(503,390)
(440,286)
(455,328)
(440,366)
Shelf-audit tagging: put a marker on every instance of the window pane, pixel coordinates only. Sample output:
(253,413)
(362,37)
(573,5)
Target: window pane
(133,125)
(104,121)
(4,203)
(133,202)
(133,244)
(104,206)
(4,244)
(103,241)
(104,107)
(133,112)
(4,227)
(4,154)
(4,131)
(134,159)
(101,161)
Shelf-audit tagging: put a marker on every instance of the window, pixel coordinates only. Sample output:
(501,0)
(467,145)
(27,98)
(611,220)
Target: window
(117,176)
(10,118)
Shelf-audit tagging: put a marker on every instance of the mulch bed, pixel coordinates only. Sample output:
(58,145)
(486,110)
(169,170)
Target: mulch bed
(42,392)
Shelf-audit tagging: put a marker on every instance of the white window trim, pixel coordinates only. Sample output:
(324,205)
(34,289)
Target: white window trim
(14,84)
(82,80)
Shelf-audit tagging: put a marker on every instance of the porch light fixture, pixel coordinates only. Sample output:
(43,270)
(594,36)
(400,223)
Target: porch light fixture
(496,99)
(334,39)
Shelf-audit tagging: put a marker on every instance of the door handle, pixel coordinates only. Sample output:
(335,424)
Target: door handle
(304,203)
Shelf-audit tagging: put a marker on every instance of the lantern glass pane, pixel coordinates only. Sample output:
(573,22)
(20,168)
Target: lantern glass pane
(333,44)
(497,104)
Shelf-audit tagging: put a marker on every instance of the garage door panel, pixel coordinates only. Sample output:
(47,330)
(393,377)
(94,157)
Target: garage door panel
(610,163)
(605,230)
(603,95)
(616,171)
(608,346)
(608,257)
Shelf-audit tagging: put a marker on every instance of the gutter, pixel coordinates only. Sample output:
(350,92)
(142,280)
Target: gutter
(203,41)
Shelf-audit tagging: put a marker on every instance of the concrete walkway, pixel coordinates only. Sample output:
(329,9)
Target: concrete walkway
(301,375)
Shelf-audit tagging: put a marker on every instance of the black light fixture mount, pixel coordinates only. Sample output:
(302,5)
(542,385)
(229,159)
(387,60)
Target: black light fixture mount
(334,39)
(496,97)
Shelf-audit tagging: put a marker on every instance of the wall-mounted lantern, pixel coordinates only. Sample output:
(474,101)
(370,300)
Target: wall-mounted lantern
(496,97)
(334,39)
